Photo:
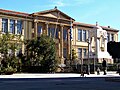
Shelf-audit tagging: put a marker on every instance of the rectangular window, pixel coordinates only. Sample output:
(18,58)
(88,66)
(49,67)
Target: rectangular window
(12,26)
(79,35)
(84,35)
(112,37)
(64,53)
(39,30)
(79,52)
(4,25)
(64,34)
(84,52)
(108,37)
(57,30)
(51,32)
(19,26)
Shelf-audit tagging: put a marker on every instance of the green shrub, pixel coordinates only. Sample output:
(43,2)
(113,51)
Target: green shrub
(9,70)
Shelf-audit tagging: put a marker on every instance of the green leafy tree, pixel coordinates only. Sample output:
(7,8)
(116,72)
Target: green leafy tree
(41,53)
(8,46)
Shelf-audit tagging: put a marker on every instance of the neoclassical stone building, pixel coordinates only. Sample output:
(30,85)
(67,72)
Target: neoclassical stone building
(55,24)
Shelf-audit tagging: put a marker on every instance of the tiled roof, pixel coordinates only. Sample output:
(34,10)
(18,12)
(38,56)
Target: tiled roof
(13,12)
(92,26)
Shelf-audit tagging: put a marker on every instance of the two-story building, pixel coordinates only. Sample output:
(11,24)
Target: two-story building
(55,24)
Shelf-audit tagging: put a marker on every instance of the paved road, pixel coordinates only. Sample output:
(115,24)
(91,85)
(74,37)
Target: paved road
(81,83)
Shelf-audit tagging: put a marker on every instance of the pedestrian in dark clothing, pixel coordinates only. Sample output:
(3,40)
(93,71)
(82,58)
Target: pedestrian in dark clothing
(104,65)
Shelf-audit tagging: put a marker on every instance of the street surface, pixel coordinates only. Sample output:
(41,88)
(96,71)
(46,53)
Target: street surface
(83,83)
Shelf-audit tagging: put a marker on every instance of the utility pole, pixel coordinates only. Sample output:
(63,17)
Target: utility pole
(82,72)
(70,43)
(94,62)
(88,52)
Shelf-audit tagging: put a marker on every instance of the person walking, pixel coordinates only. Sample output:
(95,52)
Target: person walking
(104,65)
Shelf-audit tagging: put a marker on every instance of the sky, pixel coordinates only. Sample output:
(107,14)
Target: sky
(105,12)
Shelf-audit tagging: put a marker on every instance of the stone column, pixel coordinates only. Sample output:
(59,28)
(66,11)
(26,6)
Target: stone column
(15,26)
(23,34)
(23,46)
(8,25)
(61,44)
(35,29)
(116,37)
(30,28)
(46,28)
(25,29)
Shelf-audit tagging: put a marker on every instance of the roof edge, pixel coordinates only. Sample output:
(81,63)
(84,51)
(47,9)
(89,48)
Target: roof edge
(50,10)
(13,12)
(92,26)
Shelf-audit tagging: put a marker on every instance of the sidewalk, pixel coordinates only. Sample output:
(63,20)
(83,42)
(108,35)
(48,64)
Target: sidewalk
(58,75)
(109,74)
